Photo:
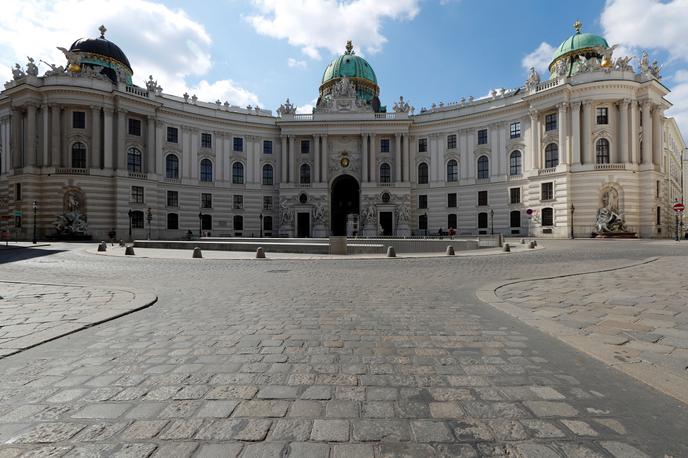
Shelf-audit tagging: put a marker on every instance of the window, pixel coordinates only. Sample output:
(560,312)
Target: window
(550,122)
(137,219)
(267,223)
(206,222)
(206,170)
(172,221)
(423,173)
(267,203)
(79,119)
(423,222)
(238,144)
(482,198)
(135,127)
(238,173)
(172,166)
(206,200)
(658,220)
(658,189)
(515,218)
(515,130)
(422,201)
(451,141)
(422,145)
(137,194)
(547,191)
(451,200)
(451,221)
(551,155)
(385,173)
(483,167)
(267,175)
(482,220)
(134,160)
(172,199)
(602,115)
(602,151)
(267,146)
(515,164)
(172,135)
(305,174)
(548,216)
(238,202)
(206,140)
(78,155)
(17,191)
(515,195)
(305,146)
(238,223)
(384,145)
(482,137)
(452,170)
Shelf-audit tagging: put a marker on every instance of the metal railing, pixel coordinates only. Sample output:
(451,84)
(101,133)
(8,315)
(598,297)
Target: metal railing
(71,171)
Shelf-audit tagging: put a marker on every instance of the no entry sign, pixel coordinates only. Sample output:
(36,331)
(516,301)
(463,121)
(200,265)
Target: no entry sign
(679,207)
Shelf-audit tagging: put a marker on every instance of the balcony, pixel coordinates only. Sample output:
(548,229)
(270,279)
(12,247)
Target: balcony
(515,177)
(547,171)
(137,91)
(71,171)
(618,166)
(138,175)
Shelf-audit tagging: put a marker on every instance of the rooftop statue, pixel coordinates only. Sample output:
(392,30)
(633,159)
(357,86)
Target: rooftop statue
(401,106)
(18,72)
(73,59)
(287,108)
(622,64)
(54,69)
(31,67)
(532,81)
(153,86)
(344,88)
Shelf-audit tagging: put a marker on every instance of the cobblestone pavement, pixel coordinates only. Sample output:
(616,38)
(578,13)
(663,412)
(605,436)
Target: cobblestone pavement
(34,313)
(635,318)
(372,358)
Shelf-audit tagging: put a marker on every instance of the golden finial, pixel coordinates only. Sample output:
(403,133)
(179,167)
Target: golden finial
(102,31)
(349,47)
(578,25)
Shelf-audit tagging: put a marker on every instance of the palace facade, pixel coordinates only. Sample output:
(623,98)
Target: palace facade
(586,149)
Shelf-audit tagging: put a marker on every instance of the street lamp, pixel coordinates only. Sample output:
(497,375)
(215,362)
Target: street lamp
(131,214)
(426,223)
(573,209)
(491,221)
(261,224)
(35,208)
(149,217)
(200,224)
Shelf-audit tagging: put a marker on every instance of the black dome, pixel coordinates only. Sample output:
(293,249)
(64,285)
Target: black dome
(101,46)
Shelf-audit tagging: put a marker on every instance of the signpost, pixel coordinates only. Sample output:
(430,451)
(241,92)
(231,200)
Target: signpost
(678,209)
(529,212)
(5,229)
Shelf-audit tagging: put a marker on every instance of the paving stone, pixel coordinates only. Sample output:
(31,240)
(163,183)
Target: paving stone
(144,429)
(580,428)
(353,451)
(217,409)
(100,431)
(449,410)
(542,429)
(291,430)
(181,429)
(378,393)
(232,392)
(309,450)
(178,450)
(507,430)
(341,409)
(547,393)
(378,409)
(104,410)
(622,450)
(145,410)
(239,429)
(134,450)
(390,450)
(223,450)
(278,392)
(551,409)
(261,409)
(317,392)
(330,430)
(49,432)
(431,431)
(309,409)
(455,451)
(470,430)
(380,430)
(535,450)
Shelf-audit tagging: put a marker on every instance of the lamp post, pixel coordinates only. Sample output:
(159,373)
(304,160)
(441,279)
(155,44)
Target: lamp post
(491,221)
(35,208)
(573,209)
(426,224)
(131,214)
(261,224)
(149,217)
(200,224)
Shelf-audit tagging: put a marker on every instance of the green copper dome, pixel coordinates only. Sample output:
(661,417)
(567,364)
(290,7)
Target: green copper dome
(579,44)
(349,65)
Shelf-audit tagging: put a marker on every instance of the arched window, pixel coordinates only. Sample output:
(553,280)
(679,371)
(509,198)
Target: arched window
(515,164)
(172,166)
(78,155)
(172,221)
(551,155)
(385,173)
(238,173)
(305,174)
(482,220)
(423,173)
(515,218)
(267,174)
(452,170)
(602,151)
(483,167)
(548,216)
(206,170)
(134,160)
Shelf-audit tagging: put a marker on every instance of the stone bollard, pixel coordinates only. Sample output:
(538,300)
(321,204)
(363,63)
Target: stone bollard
(102,246)
(260,254)
(531,245)
(390,252)
(535,242)
(129,251)
(507,248)
(197,253)
(450,250)
(122,244)
(523,241)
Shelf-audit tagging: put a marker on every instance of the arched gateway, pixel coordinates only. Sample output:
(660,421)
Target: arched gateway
(345,197)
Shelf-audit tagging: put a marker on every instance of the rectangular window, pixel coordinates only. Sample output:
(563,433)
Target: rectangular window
(423,222)
(451,221)
(135,127)
(206,140)
(451,141)
(17,191)
(137,194)
(659,188)
(384,145)
(267,146)
(482,197)
(482,137)
(137,219)
(551,122)
(422,145)
(172,135)
(305,146)
(172,199)
(422,201)
(602,115)
(206,200)
(547,191)
(172,221)
(238,202)
(267,203)
(451,200)
(515,130)
(79,119)
(515,195)
(238,144)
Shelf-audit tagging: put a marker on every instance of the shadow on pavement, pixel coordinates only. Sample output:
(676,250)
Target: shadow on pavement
(13,254)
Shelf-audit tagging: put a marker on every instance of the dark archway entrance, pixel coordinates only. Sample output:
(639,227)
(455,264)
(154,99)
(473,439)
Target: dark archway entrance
(345,200)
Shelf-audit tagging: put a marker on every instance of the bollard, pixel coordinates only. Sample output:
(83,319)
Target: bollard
(450,250)
(122,244)
(391,253)
(260,254)
(197,253)
(129,251)
(523,241)
(531,245)
(102,246)
(534,242)
(507,248)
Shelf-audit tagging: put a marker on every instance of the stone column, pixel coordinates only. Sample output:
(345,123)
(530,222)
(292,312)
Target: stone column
(107,139)
(635,133)
(218,141)
(586,136)
(407,159)
(373,160)
(397,158)
(193,155)
(95,149)
(647,133)
(186,152)
(434,158)
(65,124)
(316,152)
(45,160)
(159,138)
(657,135)
(494,149)
(535,139)
(4,166)
(227,153)
(292,170)
(256,160)
(16,139)
(150,146)
(121,148)
(30,153)
(470,154)
(364,158)
(284,161)
(502,152)
(563,133)
(464,163)
(575,133)
(623,130)
(325,159)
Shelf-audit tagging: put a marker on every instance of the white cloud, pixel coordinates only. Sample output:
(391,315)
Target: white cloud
(307,108)
(681,76)
(314,25)
(295,63)
(224,90)
(540,59)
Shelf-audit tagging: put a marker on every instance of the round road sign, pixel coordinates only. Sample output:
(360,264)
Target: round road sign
(679,207)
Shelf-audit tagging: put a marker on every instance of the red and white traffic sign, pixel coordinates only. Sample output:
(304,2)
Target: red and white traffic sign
(679,207)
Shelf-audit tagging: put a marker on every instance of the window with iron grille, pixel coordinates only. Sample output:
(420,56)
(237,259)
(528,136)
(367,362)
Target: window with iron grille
(206,140)
(172,221)
(422,173)
(451,200)
(172,135)
(548,216)
(482,197)
(515,195)
(238,173)
(547,191)
(384,145)
(267,203)
(134,160)
(137,194)
(267,175)
(135,127)
(238,223)
(172,166)
(172,199)
(305,146)
(483,168)
(79,119)
(602,115)
(482,137)
(238,144)
(206,200)
(78,155)
(551,122)
(482,220)
(206,170)
(422,145)
(515,167)
(137,219)
(423,222)
(451,141)
(422,201)
(515,218)
(451,221)
(515,130)
(238,202)
(267,146)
